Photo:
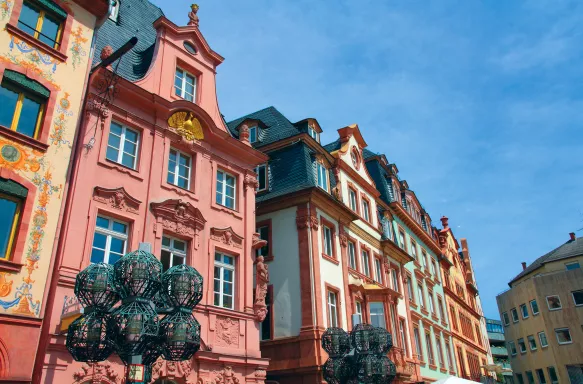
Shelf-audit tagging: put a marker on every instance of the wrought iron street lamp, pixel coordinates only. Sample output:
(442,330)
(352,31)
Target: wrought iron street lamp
(121,315)
(359,357)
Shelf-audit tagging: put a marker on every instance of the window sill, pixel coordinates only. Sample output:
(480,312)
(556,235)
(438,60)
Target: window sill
(23,139)
(424,311)
(444,323)
(14,30)
(9,266)
(222,208)
(434,317)
(330,259)
(452,372)
(180,191)
(120,168)
(412,304)
(442,370)
(433,367)
(422,363)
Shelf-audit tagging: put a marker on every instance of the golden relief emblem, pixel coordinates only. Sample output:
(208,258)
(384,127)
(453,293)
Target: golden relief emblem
(186,125)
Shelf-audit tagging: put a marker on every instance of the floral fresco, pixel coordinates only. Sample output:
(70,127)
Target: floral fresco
(33,54)
(5,6)
(60,123)
(77,51)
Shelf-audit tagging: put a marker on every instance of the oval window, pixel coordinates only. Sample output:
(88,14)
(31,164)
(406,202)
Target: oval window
(189,47)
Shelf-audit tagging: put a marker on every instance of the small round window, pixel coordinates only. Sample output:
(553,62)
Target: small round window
(355,158)
(190,48)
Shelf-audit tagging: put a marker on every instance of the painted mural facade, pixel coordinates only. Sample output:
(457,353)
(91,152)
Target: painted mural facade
(159,166)
(34,158)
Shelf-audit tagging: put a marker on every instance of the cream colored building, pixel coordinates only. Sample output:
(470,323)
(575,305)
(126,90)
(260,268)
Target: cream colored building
(542,313)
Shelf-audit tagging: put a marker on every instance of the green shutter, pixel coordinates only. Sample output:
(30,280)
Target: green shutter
(53,8)
(28,84)
(12,188)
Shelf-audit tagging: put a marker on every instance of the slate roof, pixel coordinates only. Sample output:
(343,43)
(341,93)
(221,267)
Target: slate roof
(135,18)
(333,146)
(570,249)
(378,174)
(278,127)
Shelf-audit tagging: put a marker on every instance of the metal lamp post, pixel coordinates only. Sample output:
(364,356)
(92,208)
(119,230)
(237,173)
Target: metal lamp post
(123,304)
(359,357)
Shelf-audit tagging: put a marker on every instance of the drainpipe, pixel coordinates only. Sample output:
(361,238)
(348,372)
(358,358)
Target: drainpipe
(52,281)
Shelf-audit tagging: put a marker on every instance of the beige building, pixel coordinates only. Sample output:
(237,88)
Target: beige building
(542,313)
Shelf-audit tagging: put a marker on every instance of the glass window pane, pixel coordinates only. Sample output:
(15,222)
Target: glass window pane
(184,160)
(217,299)
(130,148)
(117,245)
(217,257)
(165,259)
(99,240)
(119,227)
(114,257)
(183,183)
(28,18)
(227,288)
(50,29)
(115,129)
(228,260)
(230,203)
(8,209)
(28,117)
(170,177)
(228,301)
(217,285)
(8,99)
(114,141)
(180,245)
(227,275)
(217,272)
(131,136)
(183,171)
(128,160)
(102,222)
(97,256)
(177,260)
(112,154)
(165,241)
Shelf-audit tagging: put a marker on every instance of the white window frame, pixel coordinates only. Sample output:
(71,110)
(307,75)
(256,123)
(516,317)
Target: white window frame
(365,210)
(365,262)
(322,177)
(540,340)
(512,312)
(352,199)
(522,308)
(177,168)
(380,315)
(173,250)
(114,11)
(572,263)
(557,336)
(109,233)
(402,240)
(358,311)
(573,296)
(257,170)
(352,255)
(420,294)
(183,93)
(328,241)
(505,319)
(224,189)
(439,351)
(222,267)
(549,305)
(529,344)
(403,335)
(253,134)
(431,302)
(512,347)
(378,268)
(332,309)
(532,308)
(122,142)
(314,134)
(410,289)
(395,280)
(550,377)
(521,344)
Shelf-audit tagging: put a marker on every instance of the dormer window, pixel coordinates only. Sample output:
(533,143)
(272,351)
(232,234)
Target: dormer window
(253,134)
(314,134)
(114,11)
(185,85)
(322,177)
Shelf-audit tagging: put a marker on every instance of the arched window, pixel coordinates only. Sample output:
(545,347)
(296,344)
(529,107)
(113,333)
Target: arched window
(12,197)
(23,102)
(114,10)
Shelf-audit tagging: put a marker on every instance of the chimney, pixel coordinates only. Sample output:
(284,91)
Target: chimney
(444,222)
(572,235)
(523,265)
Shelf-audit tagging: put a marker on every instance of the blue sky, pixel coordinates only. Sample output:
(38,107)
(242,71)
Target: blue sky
(479,103)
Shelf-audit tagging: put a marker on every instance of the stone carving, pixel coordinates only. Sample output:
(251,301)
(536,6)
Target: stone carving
(192,16)
(251,182)
(106,52)
(258,242)
(261,282)
(97,373)
(226,376)
(171,370)
(343,237)
(227,236)
(260,373)
(99,107)
(307,221)
(180,217)
(227,332)
(244,133)
(186,125)
(117,198)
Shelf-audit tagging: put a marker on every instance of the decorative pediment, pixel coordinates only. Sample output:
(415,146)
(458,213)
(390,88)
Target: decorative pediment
(172,370)
(100,372)
(178,216)
(227,236)
(117,198)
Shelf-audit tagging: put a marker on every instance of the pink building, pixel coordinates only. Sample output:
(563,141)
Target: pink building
(158,165)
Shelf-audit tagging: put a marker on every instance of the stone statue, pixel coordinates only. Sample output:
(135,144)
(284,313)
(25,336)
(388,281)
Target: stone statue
(192,16)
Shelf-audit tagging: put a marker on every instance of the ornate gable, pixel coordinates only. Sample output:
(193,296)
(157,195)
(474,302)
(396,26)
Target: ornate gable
(178,216)
(227,236)
(117,198)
